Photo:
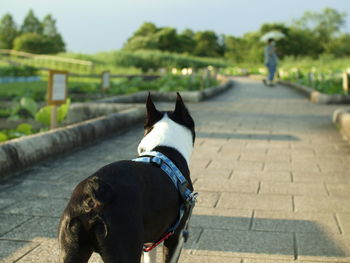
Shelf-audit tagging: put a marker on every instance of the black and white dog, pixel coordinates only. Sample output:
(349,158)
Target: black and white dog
(128,204)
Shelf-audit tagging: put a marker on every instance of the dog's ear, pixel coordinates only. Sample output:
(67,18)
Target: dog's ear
(153,115)
(180,109)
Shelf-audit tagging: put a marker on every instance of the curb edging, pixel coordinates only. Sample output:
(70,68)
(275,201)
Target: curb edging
(20,153)
(187,96)
(316,96)
(341,118)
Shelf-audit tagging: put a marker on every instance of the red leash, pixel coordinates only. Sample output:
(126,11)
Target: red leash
(165,237)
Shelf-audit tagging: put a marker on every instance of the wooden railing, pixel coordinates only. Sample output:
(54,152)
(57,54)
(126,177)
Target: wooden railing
(46,61)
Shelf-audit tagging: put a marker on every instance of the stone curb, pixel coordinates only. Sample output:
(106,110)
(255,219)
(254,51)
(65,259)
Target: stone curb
(315,96)
(341,118)
(18,154)
(187,96)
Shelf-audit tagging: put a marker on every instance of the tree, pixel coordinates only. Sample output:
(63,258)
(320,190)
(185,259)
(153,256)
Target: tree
(146,29)
(32,42)
(235,49)
(324,25)
(186,41)
(339,46)
(167,39)
(8,31)
(52,35)
(206,44)
(31,24)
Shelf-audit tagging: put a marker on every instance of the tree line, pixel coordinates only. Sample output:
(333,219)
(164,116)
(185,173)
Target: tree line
(313,34)
(35,36)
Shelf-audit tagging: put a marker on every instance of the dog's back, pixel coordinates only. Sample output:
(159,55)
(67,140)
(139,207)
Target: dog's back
(122,199)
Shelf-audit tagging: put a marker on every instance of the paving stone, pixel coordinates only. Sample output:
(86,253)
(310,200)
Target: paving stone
(322,246)
(259,202)
(258,260)
(311,189)
(221,218)
(344,222)
(5,202)
(236,242)
(341,190)
(321,204)
(337,177)
(10,251)
(226,185)
(8,222)
(207,199)
(303,222)
(35,227)
(36,206)
(222,173)
(185,258)
(30,188)
(262,176)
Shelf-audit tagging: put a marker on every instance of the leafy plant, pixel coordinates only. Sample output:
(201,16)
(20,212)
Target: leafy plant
(3,137)
(44,114)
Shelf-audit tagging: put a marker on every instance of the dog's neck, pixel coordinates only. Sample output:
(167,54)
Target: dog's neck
(168,133)
(176,158)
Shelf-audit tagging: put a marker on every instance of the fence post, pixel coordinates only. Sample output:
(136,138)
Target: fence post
(346,82)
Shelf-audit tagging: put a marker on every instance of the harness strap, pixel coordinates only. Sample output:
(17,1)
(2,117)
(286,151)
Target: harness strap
(180,183)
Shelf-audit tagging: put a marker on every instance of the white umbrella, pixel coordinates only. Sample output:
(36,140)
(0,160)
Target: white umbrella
(272,34)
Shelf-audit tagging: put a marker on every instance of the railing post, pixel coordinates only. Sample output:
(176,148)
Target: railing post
(346,82)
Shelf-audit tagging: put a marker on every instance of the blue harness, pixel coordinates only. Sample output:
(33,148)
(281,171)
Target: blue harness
(180,182)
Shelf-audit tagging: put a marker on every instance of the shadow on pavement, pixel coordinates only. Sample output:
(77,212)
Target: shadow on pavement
(247,136)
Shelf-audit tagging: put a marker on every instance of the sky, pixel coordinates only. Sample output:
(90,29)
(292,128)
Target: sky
(91,26)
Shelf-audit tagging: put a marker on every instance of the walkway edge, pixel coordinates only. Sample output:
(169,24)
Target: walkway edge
(18,154)
(315,96)
(341,118)
(187,96)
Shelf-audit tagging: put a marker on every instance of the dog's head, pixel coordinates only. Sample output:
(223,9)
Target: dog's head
(168,128)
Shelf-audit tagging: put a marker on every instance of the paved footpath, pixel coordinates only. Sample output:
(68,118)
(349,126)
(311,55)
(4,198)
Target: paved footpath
(272,171)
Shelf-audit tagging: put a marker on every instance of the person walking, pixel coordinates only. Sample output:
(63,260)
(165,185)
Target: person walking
(270,61)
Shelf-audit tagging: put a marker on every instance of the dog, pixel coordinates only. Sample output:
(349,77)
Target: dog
(126,206)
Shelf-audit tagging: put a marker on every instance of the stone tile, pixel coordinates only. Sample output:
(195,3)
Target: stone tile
(344,222)
(278,166)
(217,218)
(262,176)
(321,177)
(207,199)
(38,207)
(339,190)
(311,189)
(186,258)
(237,166)
(4,202)
(321,204)
(10,221)
(302,222)
(208,173)
(238,243)
(322,246)
(226,185)
(253,201)
(11,251)
(334,167)
(30,188)
(36,227)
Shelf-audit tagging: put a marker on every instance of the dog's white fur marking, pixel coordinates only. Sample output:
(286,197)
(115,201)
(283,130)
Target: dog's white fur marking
(166,132)
(150,257)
